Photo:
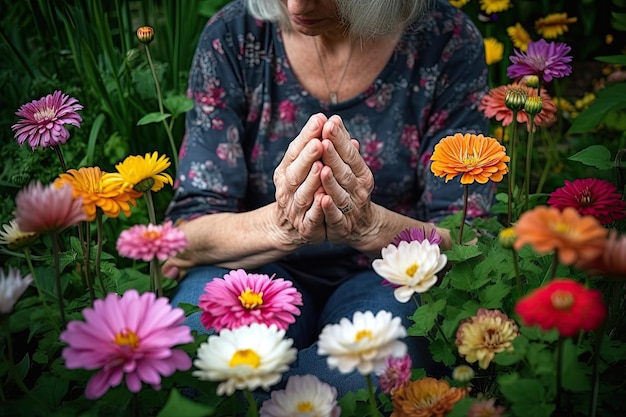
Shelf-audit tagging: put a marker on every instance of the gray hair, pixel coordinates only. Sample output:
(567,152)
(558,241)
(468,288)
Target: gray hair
(363,18)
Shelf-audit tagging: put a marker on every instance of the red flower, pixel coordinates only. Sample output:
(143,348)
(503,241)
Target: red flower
(565,304)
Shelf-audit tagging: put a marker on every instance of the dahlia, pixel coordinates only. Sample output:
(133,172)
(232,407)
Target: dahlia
(426,397)
(546,60)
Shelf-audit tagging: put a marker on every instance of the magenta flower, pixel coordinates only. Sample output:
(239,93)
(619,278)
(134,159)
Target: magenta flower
(396,374)
(591,197)
(132,335)
(12,286)
(546,60)
(151,241)
(240,299)
(42,121)
(413,233)
(48,209)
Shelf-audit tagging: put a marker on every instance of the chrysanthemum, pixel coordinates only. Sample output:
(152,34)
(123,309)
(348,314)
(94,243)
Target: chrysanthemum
(463,373)
(419,234)
(476,157)
(395,375)
(248,357)
(46,209)
(43,121)
(554,25)
(12,286)
(362,344)
(142,173)
(411,267)
(147,242)
(494,50)
(546,60)
(303,395)
(86,182)
(240,299)
(426,397)
(519,36)
(14,238)
(493,104)
(486,408)
(130,336)
(494,6)
(611,262)
(563,304)
(575,238)
(591,197)
(480,337)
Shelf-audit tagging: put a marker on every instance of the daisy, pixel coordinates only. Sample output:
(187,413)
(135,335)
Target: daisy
(554,25)
(546,60)
(14,238)
(363,344)
(426,397)
(248,357)
(494,6)
(141,173)
(240,299)
(151,241)
(303,395)
(129,336)
(519,36)
(493,50)
(12,286)
(395,375)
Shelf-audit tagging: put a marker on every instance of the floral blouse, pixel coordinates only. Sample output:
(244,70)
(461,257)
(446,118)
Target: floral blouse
(249,106)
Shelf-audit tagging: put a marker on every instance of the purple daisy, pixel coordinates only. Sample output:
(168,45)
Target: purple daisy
(546,60)
(413,233)
(42,121)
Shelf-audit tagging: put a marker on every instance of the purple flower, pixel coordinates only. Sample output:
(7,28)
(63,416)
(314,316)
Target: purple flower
(546,60)
(413,233)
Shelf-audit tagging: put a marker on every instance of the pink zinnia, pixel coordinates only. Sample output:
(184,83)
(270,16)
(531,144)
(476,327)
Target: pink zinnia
(43,120)
(132,335)
(396,374)
(546,60)
(413,233)
(240,299)
(591,197)
(151,241)
(47,209)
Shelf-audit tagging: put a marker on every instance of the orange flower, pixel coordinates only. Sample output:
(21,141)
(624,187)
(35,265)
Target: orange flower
(426,397)
(575,238)
(611,262)
(87,183)
(477,157)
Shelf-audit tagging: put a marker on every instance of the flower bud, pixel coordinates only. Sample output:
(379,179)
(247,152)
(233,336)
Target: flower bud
(515,98)
(507,237)
(532,81)
(144,185)
(145,34)
(463,373)
(533,105)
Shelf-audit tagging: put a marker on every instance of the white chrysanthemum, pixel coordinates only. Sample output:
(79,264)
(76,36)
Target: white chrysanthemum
(12,286)
(363,344)
(411,266)
(303,396)
(247,357)
(13,237)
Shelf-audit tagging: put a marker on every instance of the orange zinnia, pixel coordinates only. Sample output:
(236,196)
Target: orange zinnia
(477,157)
(575,238)
(426,397)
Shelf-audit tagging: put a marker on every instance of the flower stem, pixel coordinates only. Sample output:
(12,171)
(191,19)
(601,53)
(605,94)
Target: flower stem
(57,274)
(252,410)
(59,153)
(595,375)
(529,154)
(84,237)
(513,165)
(372,398)
(465,198)
(155,276)
(99,250)
(150,206)
(42,298)
(559,374)
(518,278)
(555,263)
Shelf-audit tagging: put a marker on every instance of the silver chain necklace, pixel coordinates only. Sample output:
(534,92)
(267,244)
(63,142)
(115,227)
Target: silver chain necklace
(333,94)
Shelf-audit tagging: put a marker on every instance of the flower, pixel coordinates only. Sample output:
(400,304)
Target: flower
(131,335)
(554,25)
(410,266)
(304,395)
(463,373)
(519,36)
(494,6)
(395,375)
(47,209)
(591,197)
(515,98)
(574,237)
(413,233)
(240,299)
(364,343)
(151,241)
(43,121)
(14,238)
(612,261)
(507,237)
(533,105)
(141,173)
(563,304)
(87,183)
(547,60)
(12,286)
(480,337)
(486,408)
(247,357)
(426,397)
(145,34)
(493,50)
(458,3)
(477,157)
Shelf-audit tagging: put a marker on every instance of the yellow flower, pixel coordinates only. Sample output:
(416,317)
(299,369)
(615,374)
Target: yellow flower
(13,237)
(519,36)
(494,6)
(458,3)
(426,397)
(553,25)
(140,173)
(493,50)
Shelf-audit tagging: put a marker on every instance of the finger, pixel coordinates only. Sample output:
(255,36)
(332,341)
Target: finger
(311,130)
(300,168)
(306,192)
(340,170)
(335,131)
(335,189)
(335,219)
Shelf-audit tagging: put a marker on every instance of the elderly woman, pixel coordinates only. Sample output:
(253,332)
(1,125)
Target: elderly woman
(308,150)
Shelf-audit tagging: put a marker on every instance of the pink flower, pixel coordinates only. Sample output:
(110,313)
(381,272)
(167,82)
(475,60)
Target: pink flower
(546,60)
(40,209)
(396,374)
(43,120)
(147,242)
(12,286)
(241,299)
(413,233)
(486,408)
(132,335)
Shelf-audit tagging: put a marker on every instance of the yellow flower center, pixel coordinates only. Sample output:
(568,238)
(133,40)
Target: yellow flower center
(305,407)
(362,334)
(562,300)
(561,228)
(151,235)
(250,299)
(470,160)
(45,114)
(411,270)
(245,357)
(127,338)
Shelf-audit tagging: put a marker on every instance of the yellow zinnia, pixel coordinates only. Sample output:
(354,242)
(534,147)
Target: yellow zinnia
(493,50)
(553,25)
(494,6)
(519,36)
(141,173)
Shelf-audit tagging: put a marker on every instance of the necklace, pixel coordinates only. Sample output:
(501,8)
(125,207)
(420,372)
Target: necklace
(333,94)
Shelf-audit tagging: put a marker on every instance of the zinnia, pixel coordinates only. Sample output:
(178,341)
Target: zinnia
(426,397)
(240,299)
(546,60)
(130,336)
(304,395)
(141,173)
(12,286)
(151,241)
(476,157)
(43,121)
(563,304)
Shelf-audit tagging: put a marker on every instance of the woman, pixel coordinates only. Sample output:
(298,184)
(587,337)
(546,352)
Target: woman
(308,150)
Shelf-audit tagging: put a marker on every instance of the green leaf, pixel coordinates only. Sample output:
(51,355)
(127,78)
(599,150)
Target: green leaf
(576,374)
(613,59)
(596,156)
(51,389)
(506,358)
(424,318)
(177,405)
(610,98)
(153,118)
(618,20)
(492,295)
(460,253)
(442,352)
(178,104)
(522,390)
(461,407)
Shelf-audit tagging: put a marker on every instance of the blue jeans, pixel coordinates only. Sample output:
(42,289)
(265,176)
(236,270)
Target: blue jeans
(361,292)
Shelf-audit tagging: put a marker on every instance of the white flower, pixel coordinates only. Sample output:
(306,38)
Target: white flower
(411,266)
(363,344)
(12,286)
(13,237)
(303,396)
(247,357)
